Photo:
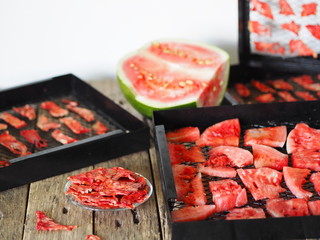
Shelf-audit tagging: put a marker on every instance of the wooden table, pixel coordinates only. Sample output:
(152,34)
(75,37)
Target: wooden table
(149,221)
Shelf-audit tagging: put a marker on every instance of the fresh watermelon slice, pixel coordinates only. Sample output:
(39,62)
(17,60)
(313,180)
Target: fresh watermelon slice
(270,136)
(315,179)
(181,175)
(182,135)
(173,74)
(180,154)
(265,156)
(306,159)
(230,156)
(225,133)
(227,194)
(303,137)
(262,183)
(295,178)
(191,213)
(287,208)
(245,213)
(314,207)
(197,196)
(225,172)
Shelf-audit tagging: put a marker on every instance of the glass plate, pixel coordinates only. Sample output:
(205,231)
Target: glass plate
(93,208)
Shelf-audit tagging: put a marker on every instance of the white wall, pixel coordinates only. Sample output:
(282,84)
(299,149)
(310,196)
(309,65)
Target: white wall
(41,38)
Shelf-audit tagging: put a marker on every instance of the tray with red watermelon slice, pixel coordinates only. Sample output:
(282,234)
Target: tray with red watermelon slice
(60,124)
(279,48)
(241,172)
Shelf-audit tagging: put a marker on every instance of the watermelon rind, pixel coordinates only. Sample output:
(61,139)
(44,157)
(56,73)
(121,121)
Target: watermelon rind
(147,106)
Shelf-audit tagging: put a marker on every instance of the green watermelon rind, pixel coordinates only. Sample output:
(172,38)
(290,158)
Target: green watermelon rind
(147,109)
(143,108)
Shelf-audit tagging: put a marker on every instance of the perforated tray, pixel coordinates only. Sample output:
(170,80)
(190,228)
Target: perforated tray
(126,133)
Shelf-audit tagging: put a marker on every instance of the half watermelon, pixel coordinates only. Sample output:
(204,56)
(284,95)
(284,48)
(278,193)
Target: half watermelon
(173,74)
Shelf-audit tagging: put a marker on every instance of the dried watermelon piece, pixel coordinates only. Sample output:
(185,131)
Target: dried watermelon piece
(314,30)
(305,95)
(265,98)
(281,84)
(287,96)
(262,8)
(92,237)
(61,137)
(82,112)
(99,128)
(285,8)
(309,9)
(46,223)
(299,47)
(45,125)
(292,26)
(269,47)
(4,163)
(74,125)
(261,86)
(242,90)
(33,137)
(12,120)
(54,109)
(26,111)
(258,28)
(13,144)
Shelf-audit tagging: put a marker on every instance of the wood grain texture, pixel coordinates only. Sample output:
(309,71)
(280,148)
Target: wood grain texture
(13,204)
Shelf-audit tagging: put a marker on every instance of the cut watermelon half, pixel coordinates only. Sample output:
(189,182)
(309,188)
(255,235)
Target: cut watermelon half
(173,74)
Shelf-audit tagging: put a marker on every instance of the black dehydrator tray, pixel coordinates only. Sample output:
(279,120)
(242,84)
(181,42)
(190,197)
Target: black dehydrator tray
(249,115)
(126,134)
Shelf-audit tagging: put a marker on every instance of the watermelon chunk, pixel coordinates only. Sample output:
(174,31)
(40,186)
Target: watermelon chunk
(182,135)
(262,183)
(265,156)
(287,208)
(225,172)
(223,133)
(180,153)
(181,175)
(197,196)
(245,213)
(193,213)
(270,136)
(168,74)
(295,178)
(314,207)
(315,179)
(230,156)
(227,194)
(314,30)
(303,137)
(306,159)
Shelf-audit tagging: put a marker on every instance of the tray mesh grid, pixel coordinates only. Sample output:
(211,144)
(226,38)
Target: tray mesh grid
(174,204)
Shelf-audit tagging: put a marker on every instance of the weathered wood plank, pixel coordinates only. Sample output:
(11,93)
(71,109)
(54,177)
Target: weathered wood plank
(48,196)
(12,212)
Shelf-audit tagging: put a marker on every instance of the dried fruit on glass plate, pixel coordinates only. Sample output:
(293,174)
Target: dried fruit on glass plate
(108,188)
(46,223)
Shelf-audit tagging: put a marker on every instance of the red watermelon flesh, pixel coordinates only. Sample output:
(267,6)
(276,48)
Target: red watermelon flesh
(182,135)
(227,194)
(315,179)
(223,133)
(270,136)
(306,159)
(262,183)
(225,172)
(285,8)
(303,137)
(182,174)
(314,207)
(287,208)
(197,195)
(245,213)
(180,153)
(295,178)
(314,30)
(193,213)
(232,156)
(265,156)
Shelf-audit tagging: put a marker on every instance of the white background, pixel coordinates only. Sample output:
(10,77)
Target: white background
(40,39)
